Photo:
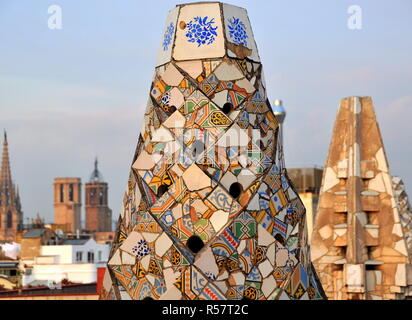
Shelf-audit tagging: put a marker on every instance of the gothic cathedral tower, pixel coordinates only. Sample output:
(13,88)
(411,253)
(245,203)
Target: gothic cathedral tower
(11,216)
(98,213)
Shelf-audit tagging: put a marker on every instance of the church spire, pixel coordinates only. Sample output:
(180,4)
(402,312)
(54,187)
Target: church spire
(96,175)
(10,207)
(5,174)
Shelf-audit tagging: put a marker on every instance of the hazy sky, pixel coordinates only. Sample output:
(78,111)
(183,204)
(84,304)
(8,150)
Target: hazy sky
(68,95)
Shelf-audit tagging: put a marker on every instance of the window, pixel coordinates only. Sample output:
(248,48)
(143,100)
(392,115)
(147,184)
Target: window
(61,193)
(99,256)
(79,256)
(8,272)
(90,256)
(101,199)
(71,192)
(9,220)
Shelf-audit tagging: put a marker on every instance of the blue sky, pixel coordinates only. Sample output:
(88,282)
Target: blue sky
(68,95)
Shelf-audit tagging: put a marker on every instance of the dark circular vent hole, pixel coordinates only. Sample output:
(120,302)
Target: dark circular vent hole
(197,148)
(227,107)
(235,190)
(148,298)
(172,109)
(161,190)
(195,244)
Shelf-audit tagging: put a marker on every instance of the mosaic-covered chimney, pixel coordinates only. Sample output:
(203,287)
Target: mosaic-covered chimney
(359,240)
(208,213)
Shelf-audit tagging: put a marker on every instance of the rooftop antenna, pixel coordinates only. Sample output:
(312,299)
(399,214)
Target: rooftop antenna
(280,113)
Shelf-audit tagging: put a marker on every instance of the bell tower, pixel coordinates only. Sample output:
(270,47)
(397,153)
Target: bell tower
(67,203)
(98,213)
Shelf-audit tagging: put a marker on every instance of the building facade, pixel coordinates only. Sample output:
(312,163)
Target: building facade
(32,241)
(67,204)
(10,274)
(11,215)
(307,182)
(98,213)
(75,260)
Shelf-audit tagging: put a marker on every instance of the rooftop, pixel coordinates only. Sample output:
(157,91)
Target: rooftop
(75,242)
(34,233)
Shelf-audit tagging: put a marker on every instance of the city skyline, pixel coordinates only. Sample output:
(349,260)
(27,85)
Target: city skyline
(71,94)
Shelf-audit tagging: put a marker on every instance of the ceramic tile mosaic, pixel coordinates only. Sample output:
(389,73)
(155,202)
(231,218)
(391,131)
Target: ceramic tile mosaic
(209,212)
(361,242)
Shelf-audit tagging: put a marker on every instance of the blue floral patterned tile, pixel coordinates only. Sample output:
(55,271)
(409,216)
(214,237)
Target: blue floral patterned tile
(237,31)
(168,36)
(201,31)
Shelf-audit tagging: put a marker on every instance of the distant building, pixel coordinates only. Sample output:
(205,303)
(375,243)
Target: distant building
(74,260)
(67,203)
(88,291)
(104,237)
(33,240)
(11,215)
(98,213)
(307,182)
(10,276)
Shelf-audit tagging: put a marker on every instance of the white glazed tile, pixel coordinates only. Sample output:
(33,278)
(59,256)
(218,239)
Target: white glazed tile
(176,120)
(265,268)
(177,211)
(195,178)
(172,293)
(145,262)
(230,12)
(131,241)
(162,244)
(144,162)
(228,179)
(149,236)
(172,76)
(115,259)
(206,262)
(185,50)
(176,98)
(164,54)
(268,285)
(192,68)
(219,219)
(128,259)
(162,135)
(220,98)
(228,71)
(264,237)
